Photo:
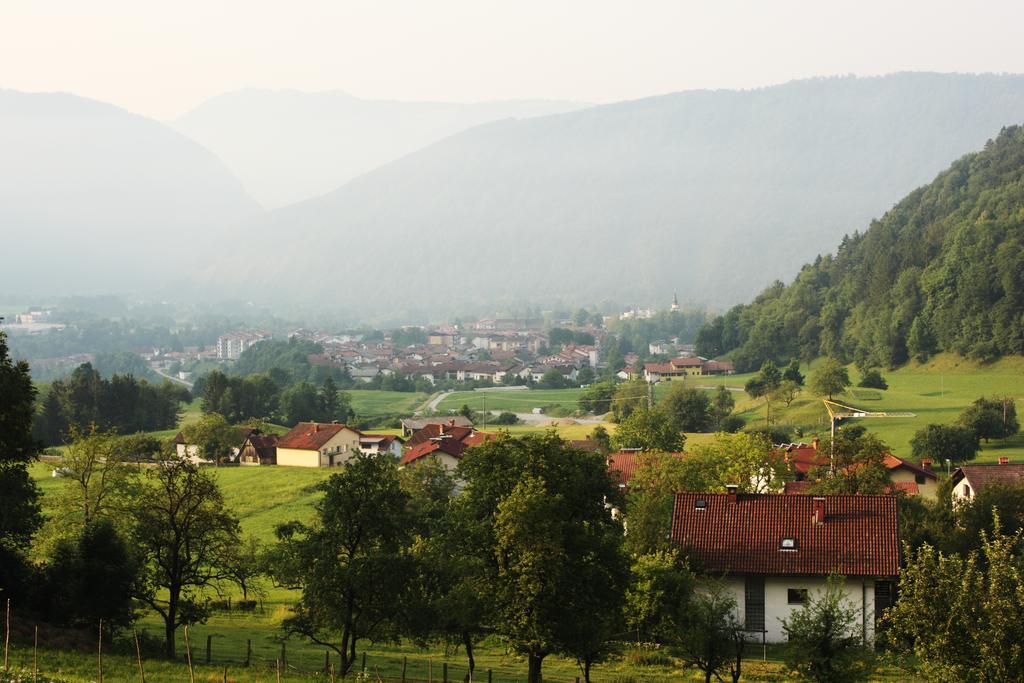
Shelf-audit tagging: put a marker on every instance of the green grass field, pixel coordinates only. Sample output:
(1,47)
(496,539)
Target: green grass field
(936,392)
(369,402)
(523,401)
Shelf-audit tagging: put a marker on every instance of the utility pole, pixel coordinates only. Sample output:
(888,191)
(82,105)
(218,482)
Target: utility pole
(650,396)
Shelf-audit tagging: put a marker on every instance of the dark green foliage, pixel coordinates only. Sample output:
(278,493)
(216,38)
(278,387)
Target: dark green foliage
(559,337)
(831,377)
(122,403)
(945,442)
(635,334)
(689,409)
(649,429)
(658,597)
(991,418)
(351,564)
(859,466)
(872,379)
(19,497)
(533,515)
(824,644)
(184,536)
(793,374)
(124,363)
(90,578)
(712,639)
(764,385)
(942,271)
(505,418)
(597,398)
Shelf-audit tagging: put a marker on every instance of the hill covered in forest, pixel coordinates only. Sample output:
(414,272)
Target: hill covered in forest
(943,270)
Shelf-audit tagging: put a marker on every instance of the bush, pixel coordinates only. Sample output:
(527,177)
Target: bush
(731,424)
(873,379)
(505,418)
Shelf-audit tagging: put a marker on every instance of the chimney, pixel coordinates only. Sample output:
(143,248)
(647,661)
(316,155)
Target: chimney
(1004,460)
(731,490)
(926,464)
(815,443)
(316,427)
(819,510)
(451,423)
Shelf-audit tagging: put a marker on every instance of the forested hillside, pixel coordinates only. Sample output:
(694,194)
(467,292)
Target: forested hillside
(942,271)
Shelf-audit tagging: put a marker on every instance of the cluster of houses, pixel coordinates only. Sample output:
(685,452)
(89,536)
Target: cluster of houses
(465,354)
(774,548)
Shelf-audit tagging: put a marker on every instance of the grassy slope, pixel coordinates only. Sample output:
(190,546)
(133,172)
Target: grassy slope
(369,402)
(936,392)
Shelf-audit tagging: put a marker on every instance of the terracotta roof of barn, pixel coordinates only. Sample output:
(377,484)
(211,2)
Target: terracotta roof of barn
(311,436)
(858,537)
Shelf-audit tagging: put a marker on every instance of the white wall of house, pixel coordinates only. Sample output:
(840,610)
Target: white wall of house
(859,593)
(339,449)
(963,490)
(927,487)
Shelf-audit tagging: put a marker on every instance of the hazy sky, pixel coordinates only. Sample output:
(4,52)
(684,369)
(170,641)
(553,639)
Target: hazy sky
(163,58)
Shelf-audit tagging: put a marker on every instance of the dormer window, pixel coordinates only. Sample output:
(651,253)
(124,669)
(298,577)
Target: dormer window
(788,544)
(700,505)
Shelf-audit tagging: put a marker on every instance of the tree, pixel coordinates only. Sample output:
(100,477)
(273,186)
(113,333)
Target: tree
(722,404)
(793,374)
(215,385)
(98,482)
(744,459)
(91,578)
(628,397)
(873,379)
(658,477)
(688,408)
(858,466)
(533,515)
(786,392)
(823,644)
(351,564)
(712,638)
(603,439)
(763,385)
(213,437)
(184,534)
(244,565)
(300,402)
(944,442)
(962,616)
(334,405)
(994,418)
(19,498)
(658,596)
(552,379)
(648,429)
(597,398)
(831,377)
(921,340)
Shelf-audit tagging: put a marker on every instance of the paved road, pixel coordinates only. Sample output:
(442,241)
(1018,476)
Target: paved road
(171,377)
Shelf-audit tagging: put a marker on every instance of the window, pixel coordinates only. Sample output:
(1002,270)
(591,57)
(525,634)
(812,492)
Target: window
(700,505)
(796,596)
(753,603)
(919,479)
(967,491)
(787,544)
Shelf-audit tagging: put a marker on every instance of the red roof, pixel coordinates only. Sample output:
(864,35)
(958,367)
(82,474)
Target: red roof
(454,442)
(908,488)
(981,476)
(311,436)
(623,465)
(893,463)
(744,534)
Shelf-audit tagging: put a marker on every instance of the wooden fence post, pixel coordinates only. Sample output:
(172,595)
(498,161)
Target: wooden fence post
(405,662)
(225,673)
(248,650)
(7,633)
(209,648)
(99,653)
(327,661)
(364,661)
(35,649)
(279,671)
(489,673)
(444,672)
(188,656)
(331,671)
(284,655)
(138,656)
(430,670)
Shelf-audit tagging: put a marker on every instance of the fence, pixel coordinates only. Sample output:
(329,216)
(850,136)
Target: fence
(212,652)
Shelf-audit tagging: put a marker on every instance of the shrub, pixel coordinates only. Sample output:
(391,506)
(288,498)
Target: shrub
(873,379)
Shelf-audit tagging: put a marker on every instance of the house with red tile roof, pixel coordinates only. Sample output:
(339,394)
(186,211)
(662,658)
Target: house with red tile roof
(318,444)
(685,366)
(970,480)
(775,550)
(448,446)
(911,479)
(381,443)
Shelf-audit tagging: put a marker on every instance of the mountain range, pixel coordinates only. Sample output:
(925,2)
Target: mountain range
(710,194)
(287,145)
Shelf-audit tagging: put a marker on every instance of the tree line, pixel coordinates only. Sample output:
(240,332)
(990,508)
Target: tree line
(122,402)
(943,270)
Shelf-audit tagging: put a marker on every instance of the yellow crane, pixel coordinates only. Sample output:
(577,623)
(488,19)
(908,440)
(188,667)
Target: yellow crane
(839,411)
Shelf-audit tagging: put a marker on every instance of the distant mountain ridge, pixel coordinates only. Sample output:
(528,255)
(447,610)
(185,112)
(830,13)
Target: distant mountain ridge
(942,271)
(713,194)
(288,146)
(94,199)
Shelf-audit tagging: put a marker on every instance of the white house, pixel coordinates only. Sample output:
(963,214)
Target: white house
(969,480)
(775,550)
